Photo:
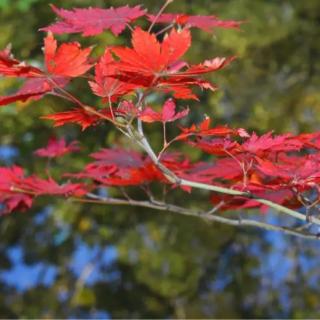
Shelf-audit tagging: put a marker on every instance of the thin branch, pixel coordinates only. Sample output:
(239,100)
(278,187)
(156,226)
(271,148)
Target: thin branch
(168,27)
(159,13)
(215,208)
(205,215)
(164,132)
(129,27)
(84,275)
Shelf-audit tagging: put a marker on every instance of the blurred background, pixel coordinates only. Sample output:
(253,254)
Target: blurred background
(67,260)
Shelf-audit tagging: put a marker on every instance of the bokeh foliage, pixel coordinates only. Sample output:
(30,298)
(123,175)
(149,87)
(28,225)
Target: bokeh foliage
(63,259)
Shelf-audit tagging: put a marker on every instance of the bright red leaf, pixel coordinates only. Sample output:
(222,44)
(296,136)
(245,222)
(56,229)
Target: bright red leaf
(106,86)
(93,21)
(57,148)
(11,178)
(285,142)
(68,60)
(204,130)
(302,172)
(17,191)
(150,57)
(116,167)
(34,89)
(216,146)
(11,67)
(80,116)
(118,157)
(50,187)
(168,113)
(151,64)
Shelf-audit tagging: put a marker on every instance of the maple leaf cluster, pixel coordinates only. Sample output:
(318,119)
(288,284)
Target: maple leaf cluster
(284,169)
(17,191)
(149,64)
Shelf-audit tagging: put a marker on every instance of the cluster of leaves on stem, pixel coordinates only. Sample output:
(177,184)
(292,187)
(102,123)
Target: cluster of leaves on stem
(244,170)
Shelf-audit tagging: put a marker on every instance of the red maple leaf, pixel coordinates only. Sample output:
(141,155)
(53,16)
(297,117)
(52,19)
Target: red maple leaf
(302,172)
(263,146)
(18,191)
(117,167)
(94,171)
(168,113)
(11,67)
(40,186)
(105,86)
(57,148)
(310,140)
(11,200)
(222,169)
(9,177)
(256,145)
(151,64)
(34,89)
(68,60)
(134,176)
(93,21)
(204,130)
(118,158)
(79,116)
(15,202)
(216,146)
(150,57)
(206,23)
